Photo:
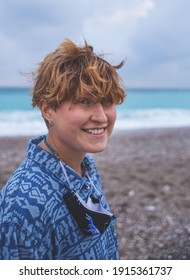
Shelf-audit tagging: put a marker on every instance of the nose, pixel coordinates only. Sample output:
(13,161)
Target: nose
(99,114)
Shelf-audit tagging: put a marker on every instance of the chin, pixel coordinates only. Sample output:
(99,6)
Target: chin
(97,150)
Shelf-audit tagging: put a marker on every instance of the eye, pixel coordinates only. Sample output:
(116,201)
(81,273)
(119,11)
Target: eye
(106,101)
(84,101)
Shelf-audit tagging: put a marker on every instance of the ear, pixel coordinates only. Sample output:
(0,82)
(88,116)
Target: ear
(46,110)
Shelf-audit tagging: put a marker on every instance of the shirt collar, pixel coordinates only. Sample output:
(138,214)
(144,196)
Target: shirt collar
(51,163)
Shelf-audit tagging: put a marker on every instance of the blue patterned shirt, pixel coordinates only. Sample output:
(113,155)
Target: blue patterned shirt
(34,220)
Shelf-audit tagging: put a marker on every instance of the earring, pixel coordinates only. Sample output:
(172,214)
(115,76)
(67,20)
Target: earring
(51,124)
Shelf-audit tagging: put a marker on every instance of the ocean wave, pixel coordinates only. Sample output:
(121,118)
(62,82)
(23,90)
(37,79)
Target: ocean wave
(21,123)
(152,118)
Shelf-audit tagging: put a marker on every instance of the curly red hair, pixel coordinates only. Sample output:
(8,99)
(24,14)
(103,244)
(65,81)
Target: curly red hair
(71,69)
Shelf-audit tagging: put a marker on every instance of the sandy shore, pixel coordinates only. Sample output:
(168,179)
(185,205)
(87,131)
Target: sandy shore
(146,179)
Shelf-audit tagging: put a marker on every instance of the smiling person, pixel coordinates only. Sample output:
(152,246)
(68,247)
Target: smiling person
(53,206)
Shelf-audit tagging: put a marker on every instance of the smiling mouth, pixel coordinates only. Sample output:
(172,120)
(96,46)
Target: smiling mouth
(96,131)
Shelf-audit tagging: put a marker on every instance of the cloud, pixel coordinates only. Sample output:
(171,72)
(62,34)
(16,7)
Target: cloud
(162,47)
(119,15)
(114,26)
(152,35)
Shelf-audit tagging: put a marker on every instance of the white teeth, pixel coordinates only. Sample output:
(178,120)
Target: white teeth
(95,131)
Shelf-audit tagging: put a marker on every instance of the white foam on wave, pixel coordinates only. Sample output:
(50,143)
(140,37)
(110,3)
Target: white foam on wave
(153,118)
(21,123)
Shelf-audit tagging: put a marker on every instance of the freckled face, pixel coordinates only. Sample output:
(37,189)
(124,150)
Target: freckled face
(83,127)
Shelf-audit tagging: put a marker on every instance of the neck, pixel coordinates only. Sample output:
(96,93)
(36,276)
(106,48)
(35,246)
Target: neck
(74,161)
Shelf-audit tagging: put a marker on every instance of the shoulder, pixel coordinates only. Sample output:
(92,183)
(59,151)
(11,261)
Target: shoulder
(31,196)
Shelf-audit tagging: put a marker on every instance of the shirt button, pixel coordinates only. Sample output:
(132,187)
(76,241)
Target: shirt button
(86,187)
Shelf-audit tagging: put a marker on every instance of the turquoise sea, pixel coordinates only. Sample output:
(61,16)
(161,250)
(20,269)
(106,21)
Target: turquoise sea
(143,108)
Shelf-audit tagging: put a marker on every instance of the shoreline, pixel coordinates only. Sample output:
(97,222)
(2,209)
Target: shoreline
(146,180)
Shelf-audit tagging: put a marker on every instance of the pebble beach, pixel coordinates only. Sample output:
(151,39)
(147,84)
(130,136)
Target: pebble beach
(146,180)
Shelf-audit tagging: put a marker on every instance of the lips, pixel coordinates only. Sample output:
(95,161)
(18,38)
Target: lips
(96,131)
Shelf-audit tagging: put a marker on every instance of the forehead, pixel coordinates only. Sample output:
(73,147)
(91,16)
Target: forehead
(92,95)
(84,93)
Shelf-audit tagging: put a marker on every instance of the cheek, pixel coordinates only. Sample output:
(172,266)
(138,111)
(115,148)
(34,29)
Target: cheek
(73,124)
(112,116)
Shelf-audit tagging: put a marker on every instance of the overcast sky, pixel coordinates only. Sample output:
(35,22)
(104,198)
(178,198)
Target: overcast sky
(152,35)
